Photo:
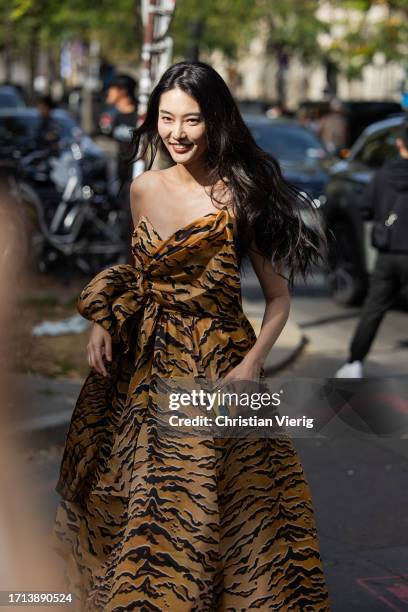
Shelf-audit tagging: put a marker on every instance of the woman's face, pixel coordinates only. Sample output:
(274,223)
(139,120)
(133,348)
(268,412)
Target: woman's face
(181,126)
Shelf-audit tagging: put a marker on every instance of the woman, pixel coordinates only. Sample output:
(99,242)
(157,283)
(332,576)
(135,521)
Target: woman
(147,521)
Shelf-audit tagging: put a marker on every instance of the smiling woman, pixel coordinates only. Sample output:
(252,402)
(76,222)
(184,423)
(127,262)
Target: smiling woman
(198,523)
(193,110)
(182,129)
(181,133)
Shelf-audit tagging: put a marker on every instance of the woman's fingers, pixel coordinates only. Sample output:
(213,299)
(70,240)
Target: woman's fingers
(100,366)
(224,381)
(95,359)
(90,355)
(108,347)
(99,345)
(89,359)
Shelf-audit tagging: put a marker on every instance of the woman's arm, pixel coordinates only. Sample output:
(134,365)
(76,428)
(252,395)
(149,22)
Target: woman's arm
(277,297)
(276,292)
(100,341)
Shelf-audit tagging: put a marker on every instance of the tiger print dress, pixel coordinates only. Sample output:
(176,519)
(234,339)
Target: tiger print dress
(163,525)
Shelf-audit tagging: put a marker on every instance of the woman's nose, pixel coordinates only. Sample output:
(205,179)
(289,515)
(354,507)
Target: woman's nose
(178,130)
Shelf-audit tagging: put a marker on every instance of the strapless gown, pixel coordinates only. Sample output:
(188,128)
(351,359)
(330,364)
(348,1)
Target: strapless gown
(166,525)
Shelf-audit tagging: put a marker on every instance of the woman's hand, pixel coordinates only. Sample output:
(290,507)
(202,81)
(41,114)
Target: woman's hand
(244,378)
(99,345)
(247,369)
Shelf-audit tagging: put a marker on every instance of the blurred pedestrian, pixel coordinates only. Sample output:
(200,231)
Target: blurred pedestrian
(27,563)
(385,201)
(309,118)
(121,94)
(313,121)
(47,133)
(333,127)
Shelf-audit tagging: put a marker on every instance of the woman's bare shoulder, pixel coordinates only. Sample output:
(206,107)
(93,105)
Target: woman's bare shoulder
(143,190)
(145,181)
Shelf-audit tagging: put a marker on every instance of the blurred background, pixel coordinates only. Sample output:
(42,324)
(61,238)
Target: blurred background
(323,86)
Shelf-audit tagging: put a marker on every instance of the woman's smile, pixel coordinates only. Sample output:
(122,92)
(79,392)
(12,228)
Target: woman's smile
(181,148)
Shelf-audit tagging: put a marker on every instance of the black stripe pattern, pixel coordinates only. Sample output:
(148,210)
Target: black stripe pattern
(193,524)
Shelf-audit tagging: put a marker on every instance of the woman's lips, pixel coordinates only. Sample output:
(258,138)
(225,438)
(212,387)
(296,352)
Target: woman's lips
(181,148)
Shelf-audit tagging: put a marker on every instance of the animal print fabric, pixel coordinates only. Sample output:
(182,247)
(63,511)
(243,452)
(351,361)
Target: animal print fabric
(168,525)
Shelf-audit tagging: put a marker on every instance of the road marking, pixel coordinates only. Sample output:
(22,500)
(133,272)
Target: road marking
(392,594)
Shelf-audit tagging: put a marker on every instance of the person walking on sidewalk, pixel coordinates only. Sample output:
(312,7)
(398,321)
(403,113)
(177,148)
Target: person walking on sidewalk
(149,520)
(386,201)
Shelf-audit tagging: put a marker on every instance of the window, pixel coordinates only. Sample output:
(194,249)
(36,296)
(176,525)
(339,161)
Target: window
(378,148)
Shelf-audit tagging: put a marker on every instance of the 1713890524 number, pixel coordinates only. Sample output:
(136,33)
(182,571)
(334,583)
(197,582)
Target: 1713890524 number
(34,597)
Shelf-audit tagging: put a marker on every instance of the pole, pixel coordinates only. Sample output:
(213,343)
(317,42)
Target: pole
(156,17)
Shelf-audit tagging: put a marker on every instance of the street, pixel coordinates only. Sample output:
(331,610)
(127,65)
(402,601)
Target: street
(329,328)
(357,486)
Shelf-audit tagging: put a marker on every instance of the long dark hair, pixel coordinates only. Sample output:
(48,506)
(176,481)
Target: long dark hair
(266,206)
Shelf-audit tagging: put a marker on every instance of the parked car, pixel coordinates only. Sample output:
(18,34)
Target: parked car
(10,97)
(303,158)
(351,256)
(253,107)
(359,113)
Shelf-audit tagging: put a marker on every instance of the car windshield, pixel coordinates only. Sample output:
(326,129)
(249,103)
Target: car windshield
(21,129)
(289,144)
(374,150)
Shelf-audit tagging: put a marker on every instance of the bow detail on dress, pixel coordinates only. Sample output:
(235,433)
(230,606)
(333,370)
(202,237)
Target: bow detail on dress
(113,298)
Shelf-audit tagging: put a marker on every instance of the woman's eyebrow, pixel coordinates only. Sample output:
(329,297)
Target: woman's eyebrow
(185,115)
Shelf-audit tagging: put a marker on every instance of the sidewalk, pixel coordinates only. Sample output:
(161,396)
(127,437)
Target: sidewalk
(42,407)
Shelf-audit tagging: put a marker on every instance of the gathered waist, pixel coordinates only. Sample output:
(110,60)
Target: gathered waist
(186,309)
(118,294)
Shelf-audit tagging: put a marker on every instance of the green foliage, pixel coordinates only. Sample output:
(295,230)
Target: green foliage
(227,25)
(364,38)
(292,26)
(115,24)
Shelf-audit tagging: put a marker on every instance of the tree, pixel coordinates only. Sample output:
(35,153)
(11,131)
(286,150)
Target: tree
(224,25)
(229,26)
(45,24)
(364,38)
(293,31)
